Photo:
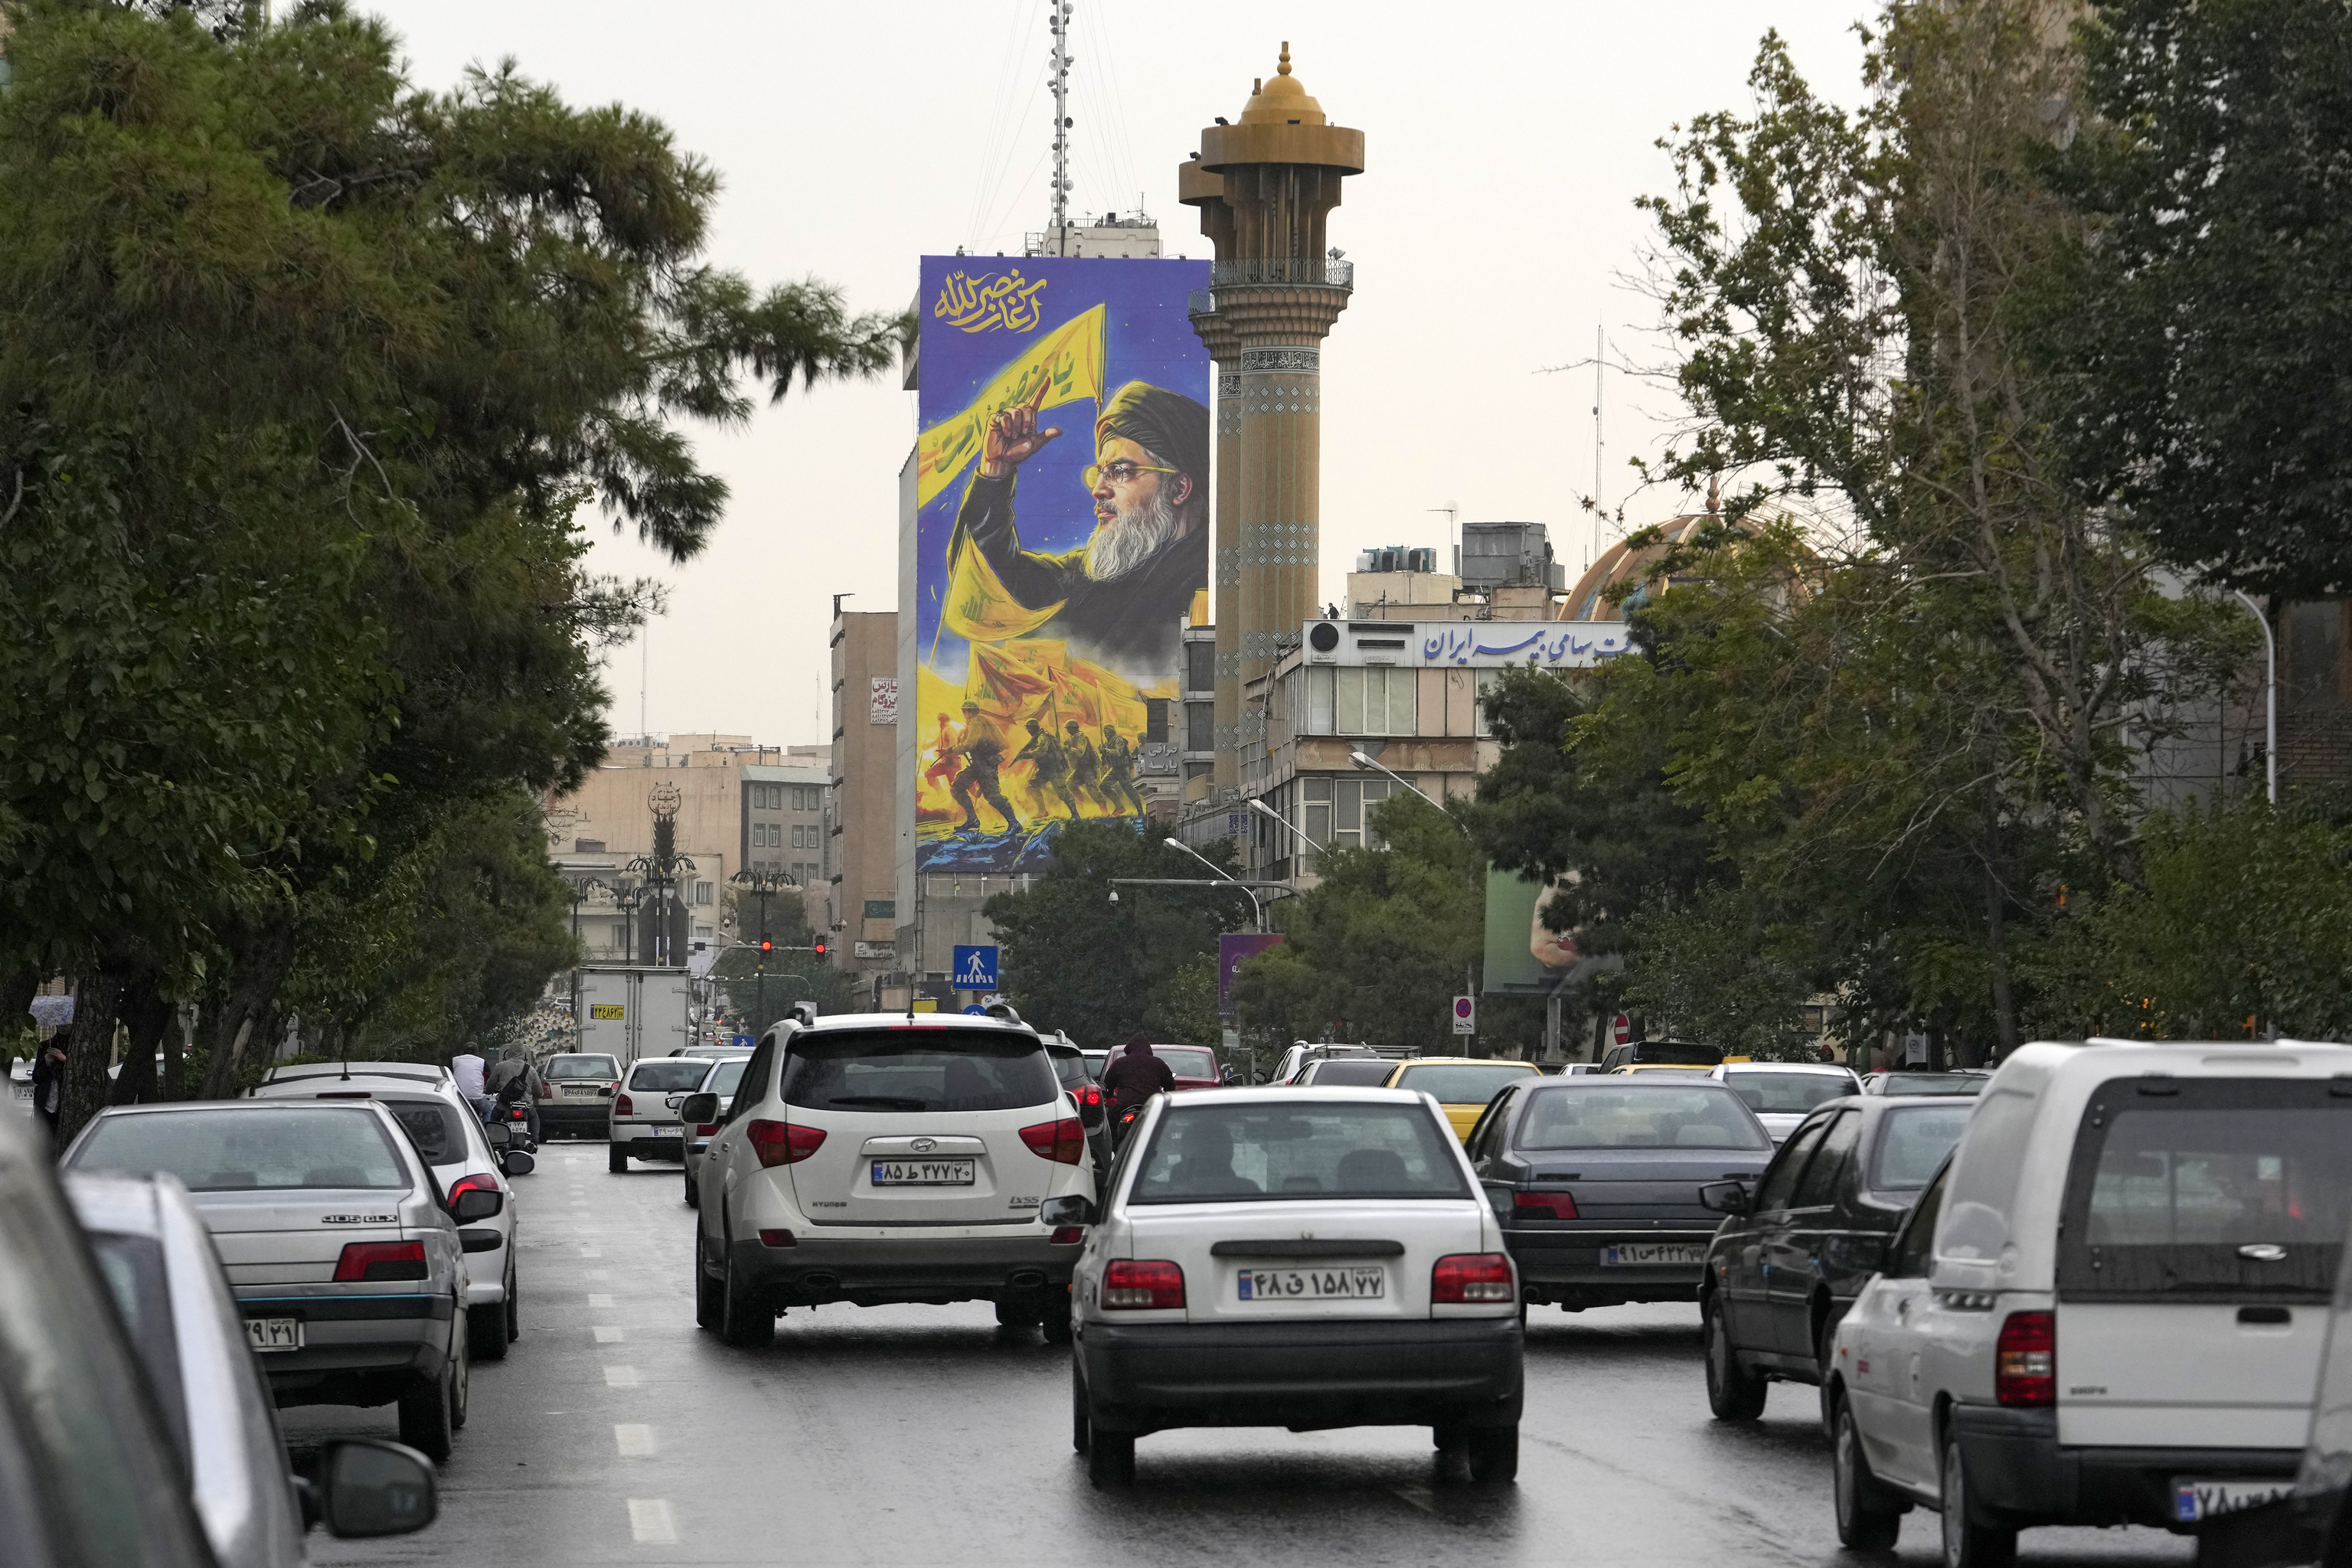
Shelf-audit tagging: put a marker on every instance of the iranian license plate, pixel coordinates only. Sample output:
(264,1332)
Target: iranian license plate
(1354,1283)
(1646,1253)
(274,1334)
(580,1091)
(2194,1498)
(923,1173)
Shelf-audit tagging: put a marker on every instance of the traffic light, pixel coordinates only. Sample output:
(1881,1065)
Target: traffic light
(766,946)
(820,947)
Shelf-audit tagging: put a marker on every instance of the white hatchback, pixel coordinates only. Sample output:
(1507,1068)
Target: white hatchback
(1299,1257)
(1783,1094)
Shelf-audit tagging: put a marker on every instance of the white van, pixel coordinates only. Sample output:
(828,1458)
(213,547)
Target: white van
(2109,1308)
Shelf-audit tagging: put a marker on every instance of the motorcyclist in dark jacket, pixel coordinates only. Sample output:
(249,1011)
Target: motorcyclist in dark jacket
(1133,1077)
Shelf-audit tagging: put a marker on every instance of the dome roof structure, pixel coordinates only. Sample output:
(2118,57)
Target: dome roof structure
(1587,601)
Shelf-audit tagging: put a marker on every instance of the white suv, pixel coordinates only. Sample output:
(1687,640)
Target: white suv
(2109,1307)
(888,1157)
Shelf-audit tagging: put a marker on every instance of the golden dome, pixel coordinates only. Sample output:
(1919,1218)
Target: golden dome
(1283,99)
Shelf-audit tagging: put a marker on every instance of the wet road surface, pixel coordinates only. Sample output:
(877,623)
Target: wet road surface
(617,1431)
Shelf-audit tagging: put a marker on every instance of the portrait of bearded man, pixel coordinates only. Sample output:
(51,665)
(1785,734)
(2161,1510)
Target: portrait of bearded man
(1123,594)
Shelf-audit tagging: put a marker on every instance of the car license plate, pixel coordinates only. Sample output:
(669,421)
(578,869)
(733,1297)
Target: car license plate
(1644,1254)
(1354,1283)
(2196,1498)
(274,1334)
(580,1091)
(923,1173)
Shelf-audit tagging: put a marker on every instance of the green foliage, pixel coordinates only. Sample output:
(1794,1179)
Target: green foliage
(1102,972)
(793,975)
(1711,971)
(1379,948)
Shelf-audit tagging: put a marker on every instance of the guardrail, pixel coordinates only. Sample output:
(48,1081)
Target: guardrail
(1313,271)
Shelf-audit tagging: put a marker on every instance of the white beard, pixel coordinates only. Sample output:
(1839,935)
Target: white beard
(1131,538)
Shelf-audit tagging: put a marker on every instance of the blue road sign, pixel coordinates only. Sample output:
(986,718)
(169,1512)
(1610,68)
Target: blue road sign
(975,1009)
(742,1042)
(975,969)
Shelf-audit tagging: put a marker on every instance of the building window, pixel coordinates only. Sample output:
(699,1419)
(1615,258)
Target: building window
(1200,726)
(1155,721)
(800,837)
(1376,701)
(1334,810)
(1200,666)
(702,892)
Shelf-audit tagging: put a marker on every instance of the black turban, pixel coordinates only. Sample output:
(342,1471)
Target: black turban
(1167,424)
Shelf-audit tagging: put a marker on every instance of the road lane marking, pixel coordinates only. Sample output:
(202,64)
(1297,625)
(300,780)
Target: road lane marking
(620,1377)
(607,1336)
(595,1299)
(634,1440)
(651,1521)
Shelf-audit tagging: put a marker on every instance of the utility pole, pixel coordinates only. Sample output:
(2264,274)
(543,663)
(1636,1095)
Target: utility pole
(1060,60)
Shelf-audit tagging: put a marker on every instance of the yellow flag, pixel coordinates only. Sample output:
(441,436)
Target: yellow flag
(1070,358)
(978,607)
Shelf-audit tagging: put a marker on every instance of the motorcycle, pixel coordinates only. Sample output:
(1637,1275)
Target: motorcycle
(506,1129)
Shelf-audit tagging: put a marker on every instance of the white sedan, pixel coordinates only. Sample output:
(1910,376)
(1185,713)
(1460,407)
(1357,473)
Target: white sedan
(1294,1258)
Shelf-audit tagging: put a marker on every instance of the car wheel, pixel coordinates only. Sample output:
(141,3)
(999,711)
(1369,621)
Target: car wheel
(1869,1515)
(425,1423)
(693,1198)
(1494,1455)
(1733,1393)
(461,1383)
(1056,1321)
(1968,1542)
(514,1308)
(743,1319)
(707,1300)
(616,1158)
(1081,1427)
(1110,1458)
(486,1331)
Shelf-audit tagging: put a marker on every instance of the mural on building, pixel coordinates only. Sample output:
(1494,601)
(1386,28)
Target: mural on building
(1062,529)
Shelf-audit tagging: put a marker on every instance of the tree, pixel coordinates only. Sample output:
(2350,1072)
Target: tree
(1099,971)
(304,376)
(2201,333)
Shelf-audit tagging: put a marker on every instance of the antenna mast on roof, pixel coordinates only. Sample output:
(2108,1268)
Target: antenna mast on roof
(1059,25)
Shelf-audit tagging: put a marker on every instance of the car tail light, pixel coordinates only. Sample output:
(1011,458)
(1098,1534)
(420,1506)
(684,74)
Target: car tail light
(705,1129)
(1465,1276)
(2025,1360)
(1061,1142)
(1148,1286)
(1089,1096)
(777,1238)
(366,1262)
(1070,1235)
(777,1144)
(623,1106)
(1544,1206)
(471,1183)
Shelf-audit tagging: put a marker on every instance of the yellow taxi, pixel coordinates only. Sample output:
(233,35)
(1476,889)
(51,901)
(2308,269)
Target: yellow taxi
(1462,1086)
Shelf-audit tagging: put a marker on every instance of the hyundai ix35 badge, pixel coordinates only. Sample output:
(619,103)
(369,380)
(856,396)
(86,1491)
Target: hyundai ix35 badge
(924,1145)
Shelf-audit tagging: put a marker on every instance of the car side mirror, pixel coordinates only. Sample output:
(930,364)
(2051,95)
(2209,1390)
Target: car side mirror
(1068,1209)
(374,1488)
(476,1203)
(497,1135)
(518,1163)
(1724,1198)
(698,1108)
(480,1240)
(605,1092)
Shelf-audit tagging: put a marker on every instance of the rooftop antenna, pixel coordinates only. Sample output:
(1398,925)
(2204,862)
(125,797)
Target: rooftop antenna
(1060,59)
(1449,509)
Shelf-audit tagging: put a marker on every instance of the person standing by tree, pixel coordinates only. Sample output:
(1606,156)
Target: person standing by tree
(50,1087)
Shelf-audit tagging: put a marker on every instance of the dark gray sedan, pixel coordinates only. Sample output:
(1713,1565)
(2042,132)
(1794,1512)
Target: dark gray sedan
(1597,1181)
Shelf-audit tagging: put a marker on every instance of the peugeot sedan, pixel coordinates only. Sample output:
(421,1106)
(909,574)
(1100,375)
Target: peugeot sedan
(1307,1259)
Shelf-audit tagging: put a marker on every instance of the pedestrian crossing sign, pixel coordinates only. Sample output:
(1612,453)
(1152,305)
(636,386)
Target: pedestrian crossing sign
(975,969)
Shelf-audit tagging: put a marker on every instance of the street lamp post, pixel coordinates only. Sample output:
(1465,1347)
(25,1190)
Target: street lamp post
(580,893)
(1255,902)
(1364,761)
(626,900)
(2270,697)
(1257,804)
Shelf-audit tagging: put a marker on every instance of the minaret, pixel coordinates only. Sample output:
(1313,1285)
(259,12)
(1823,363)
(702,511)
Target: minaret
(1263,187)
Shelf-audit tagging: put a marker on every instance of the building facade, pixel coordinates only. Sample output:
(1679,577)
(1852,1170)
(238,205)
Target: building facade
(862,831)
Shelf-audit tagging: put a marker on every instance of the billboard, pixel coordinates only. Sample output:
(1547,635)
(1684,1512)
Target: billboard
(1061,529)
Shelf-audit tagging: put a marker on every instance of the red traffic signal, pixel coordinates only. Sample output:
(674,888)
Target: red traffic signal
(767,946)
(820,947)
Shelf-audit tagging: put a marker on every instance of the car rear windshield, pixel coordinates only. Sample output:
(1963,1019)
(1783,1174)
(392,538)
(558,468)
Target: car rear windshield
(1932,1083)
(725,1076)
(1656,1116)
(1788,1092)
(602,1067)
(1912,1142)
(1187,1062)
(919,1071)
(1461,1085)
(1070,1068)
(234,1151)
(1227,1153)
(433,1126)
(1349,1074)
(2208,1189)
(669,1075)
(1675,1051)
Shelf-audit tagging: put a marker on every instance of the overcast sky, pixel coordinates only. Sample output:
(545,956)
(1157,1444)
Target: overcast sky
(1493,232)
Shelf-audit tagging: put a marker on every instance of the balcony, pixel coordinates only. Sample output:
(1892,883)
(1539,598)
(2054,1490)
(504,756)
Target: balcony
(1314,271)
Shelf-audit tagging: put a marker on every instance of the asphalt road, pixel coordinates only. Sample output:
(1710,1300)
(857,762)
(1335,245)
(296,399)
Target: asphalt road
(617,1431)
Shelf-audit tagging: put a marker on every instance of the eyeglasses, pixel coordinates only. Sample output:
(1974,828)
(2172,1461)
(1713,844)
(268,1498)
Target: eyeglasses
(1118,473)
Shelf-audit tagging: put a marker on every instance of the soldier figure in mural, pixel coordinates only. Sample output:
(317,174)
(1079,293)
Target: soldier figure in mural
(982,754)
(1122,594)
(1118,760)
(943,757)
(1086,768)
(1051,771)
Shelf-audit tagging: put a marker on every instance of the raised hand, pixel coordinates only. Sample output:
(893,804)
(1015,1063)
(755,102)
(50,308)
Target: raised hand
(1012,437)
